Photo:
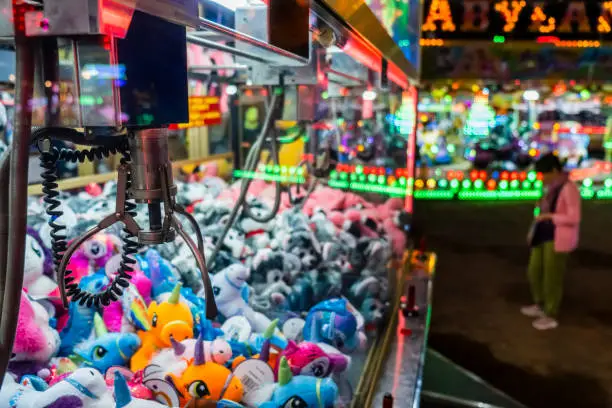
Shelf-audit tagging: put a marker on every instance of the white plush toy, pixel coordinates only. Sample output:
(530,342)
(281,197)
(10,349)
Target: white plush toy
(174,360)
(37,261)
(85,388)
(231,296)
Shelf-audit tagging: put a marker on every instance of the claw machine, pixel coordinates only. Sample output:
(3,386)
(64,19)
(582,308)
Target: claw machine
(164,277)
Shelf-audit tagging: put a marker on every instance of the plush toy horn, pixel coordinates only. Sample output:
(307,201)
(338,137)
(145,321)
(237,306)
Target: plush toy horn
(198,355)
(270,330)
(179,348)
(122,392)
(267,335)
(99,326)
(176,294)
(284,372)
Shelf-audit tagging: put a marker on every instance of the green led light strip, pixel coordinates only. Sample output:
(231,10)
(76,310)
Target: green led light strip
(276,169)
(499,195)
(604,194)
(269,177)
(434,195)
(587,193)
(466,191)
(368,188)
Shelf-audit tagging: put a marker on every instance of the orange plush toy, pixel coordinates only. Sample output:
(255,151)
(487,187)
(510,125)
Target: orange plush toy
(206,380)
(169,320)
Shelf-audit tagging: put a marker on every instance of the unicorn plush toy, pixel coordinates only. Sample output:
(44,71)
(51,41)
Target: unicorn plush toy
(231,295)
(108,349)
(85,388)
(38,267)
(171,319)
(80,323)
(130,314)
(298,391)
(35,341)
(333,322)
(309,359)
(175,360)
(207,380)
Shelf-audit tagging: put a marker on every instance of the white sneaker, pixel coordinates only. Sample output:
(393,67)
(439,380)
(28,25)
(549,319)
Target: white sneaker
(532,311)
(545,323)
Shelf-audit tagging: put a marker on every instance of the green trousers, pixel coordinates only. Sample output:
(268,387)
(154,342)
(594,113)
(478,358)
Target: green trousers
(546,273)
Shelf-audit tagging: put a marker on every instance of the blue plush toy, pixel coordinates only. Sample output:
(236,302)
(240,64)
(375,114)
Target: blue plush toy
(332,322)
(108,349)
(301,391)
(81,318)
(162,277)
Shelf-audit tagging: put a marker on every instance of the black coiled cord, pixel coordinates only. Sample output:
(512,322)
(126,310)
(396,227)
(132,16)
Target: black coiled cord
(48,160)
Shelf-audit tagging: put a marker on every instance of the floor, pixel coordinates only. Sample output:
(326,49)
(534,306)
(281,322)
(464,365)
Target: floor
(480,286)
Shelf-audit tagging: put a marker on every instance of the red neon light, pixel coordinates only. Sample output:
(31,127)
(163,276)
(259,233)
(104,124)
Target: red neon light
(411,97)
(397,76)
(116,17)
(548,39)
(363,54)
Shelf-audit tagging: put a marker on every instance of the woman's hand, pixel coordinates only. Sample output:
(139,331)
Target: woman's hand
(544,217)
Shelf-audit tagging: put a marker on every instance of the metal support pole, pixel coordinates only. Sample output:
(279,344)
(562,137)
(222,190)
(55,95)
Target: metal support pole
(18,195)
(4,219)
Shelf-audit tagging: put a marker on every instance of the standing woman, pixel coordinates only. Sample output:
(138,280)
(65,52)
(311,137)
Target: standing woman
(553,235)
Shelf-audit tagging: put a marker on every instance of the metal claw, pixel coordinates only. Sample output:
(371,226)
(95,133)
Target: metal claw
(169,202)
(196,228)
(211,306)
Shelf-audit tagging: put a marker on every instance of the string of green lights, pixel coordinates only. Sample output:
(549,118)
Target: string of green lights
(529,189)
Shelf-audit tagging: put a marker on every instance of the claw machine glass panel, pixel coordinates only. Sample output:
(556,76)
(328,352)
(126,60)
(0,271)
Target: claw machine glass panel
(303,275)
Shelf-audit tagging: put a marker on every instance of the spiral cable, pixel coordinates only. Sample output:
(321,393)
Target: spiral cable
(48,160)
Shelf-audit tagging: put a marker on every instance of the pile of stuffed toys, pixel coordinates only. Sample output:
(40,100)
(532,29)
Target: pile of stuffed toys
(297,296)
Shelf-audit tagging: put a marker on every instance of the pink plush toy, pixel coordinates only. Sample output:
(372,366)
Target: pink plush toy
(134,382)
(309,359)
(353,200)
(128,314)
(396,235)
(35,340)
(93,255)
(93,189)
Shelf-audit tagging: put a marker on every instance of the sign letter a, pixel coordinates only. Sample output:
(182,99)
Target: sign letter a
(439,11)
(575,13)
